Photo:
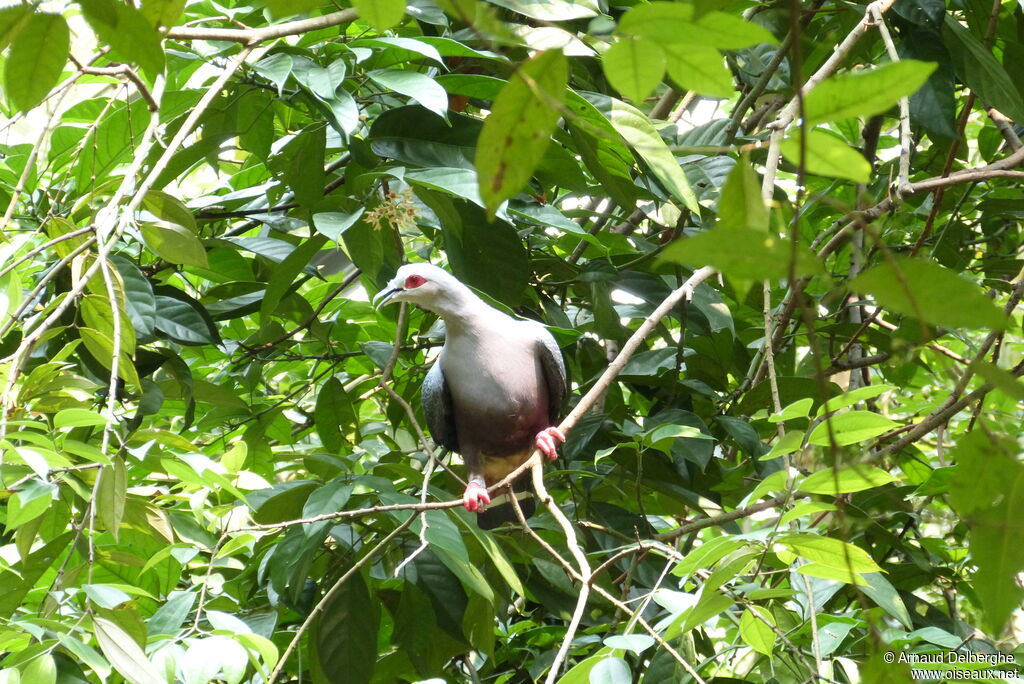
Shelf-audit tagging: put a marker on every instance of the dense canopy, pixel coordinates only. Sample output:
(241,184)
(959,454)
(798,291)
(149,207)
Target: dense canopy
(779,247)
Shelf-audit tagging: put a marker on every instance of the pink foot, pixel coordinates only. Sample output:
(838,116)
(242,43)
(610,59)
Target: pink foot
(546,441)
(475,498)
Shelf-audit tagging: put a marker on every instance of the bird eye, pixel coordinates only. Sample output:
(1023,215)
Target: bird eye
(414,281)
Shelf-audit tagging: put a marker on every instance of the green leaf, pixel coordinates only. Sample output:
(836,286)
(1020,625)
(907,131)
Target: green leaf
(101,346)
(634,67)
(610,670)
(12,20)
(124,654)
(380,14)
(334,223)
(707,554)
(131,36)
(989,497)
(32,499)
(169,208)
(756,629)
(981,71)
(698,68)
(283,278)
(850,428)
(830,552)
(742,253)
(852,397)
(790,442)
(419,87)
(162,12)
(638,131)
(335,416)
(36,60)
(77,417)
(41,670)
(345,634)
(304,166)
(174,243)
(931,293)
(183,322)
(111,496)
(864,93)
(518,129)
(669,22)
(806,508)
(637,643)
(826,155)
(885,596)
(853,479)
(741,206)
(552,10)
(821,571)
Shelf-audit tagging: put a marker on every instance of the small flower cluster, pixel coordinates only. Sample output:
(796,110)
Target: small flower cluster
(397,209)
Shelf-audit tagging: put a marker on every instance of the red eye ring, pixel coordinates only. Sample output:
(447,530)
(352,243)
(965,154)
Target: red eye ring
(414,281)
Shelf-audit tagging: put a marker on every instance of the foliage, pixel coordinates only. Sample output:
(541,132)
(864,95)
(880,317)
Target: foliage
(809,461)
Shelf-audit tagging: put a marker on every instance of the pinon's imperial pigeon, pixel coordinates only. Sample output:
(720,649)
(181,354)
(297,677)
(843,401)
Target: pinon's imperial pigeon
(493,393)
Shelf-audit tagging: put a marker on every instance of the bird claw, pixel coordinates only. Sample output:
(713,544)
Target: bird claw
(546,441)
(475,498)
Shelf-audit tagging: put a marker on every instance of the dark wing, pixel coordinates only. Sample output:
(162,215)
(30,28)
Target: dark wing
(554,373)
(437,406)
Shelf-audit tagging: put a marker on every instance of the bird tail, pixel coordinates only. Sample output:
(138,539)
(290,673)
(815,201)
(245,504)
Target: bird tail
(502,509)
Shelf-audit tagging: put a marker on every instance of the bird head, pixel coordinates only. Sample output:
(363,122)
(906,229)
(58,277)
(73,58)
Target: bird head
(425,285)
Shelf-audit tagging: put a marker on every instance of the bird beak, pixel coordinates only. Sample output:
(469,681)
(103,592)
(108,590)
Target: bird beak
(383,297)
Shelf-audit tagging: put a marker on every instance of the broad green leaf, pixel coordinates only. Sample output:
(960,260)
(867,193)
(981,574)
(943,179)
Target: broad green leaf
(756,629)
(105,595)
(806,508)
(304,166)
(552,10)
(519,127)
(37,57)
(169,208)
(698,68)
(669,22)
(864,93)
(743,253)
(77,417)
(853,479)
(101,346)
(419,87)
(707,554)
(637,643)
(276,68)
(798,409)
(852,397)
(41,670)
(822,571)
(638,131)
(283,278)
(334,223)
(850,428)
(162,12)
(1002,380)
(345,634)
(981,71)
(12,20)
(381,14)
(124,654)
(140,303)
(131,36)
(826,155)
(931,293)
(97,314)
(740,205)
(32,499)
(989,496)
(183,321)
(830,552)
(634,67)
(791,441)
(111,495)
(885,596)
(610,670)
(174,243)
(335,415)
